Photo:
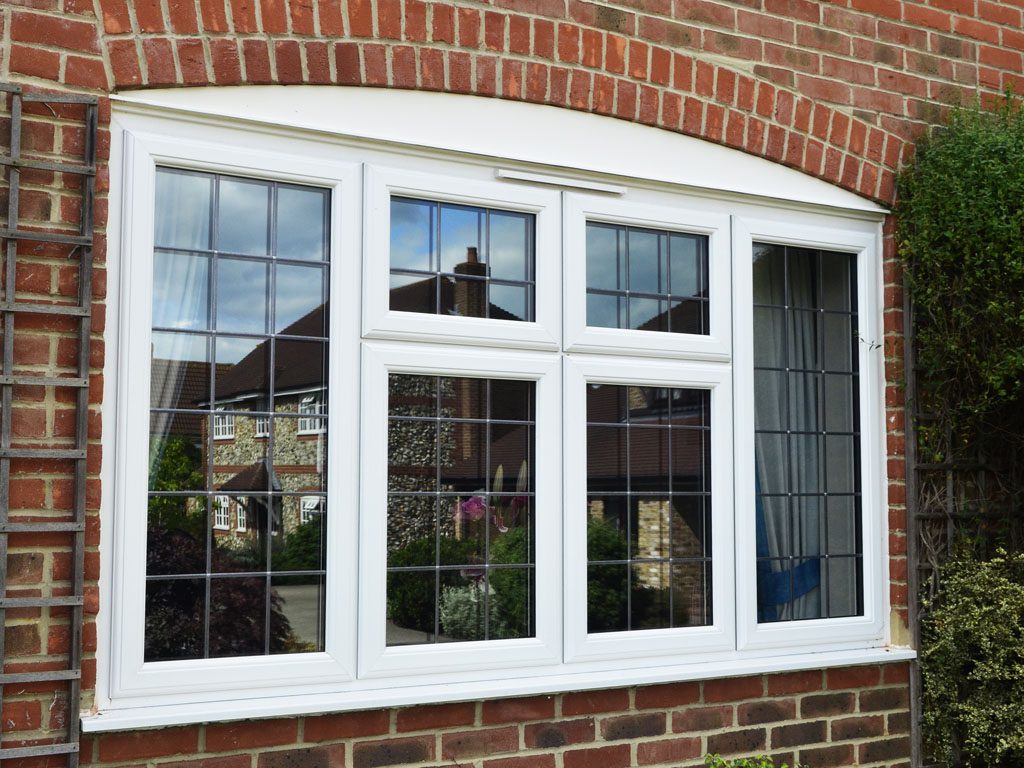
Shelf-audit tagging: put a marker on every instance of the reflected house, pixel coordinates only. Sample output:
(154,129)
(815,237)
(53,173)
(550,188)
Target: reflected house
(262,463)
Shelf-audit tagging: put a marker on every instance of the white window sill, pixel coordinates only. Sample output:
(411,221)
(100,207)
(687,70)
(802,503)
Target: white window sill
(121,718)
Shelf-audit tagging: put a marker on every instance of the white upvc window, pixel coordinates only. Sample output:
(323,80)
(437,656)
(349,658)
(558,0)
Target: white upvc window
(581,430)
(221,513)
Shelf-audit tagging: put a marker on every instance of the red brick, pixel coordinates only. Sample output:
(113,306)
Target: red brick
(668,695)
(442,23)
(214,17)
(615,54)
(732,689)
(853,677)
(34,62)
(227,69)
(243,16)
(246,735)
(192,60)
(159,58)
(142,744)
(389,19)
(733,742)
(28,27)
(606,757)
(696,719)
(479,742)
(668,750)
(182,16)
(414,749)
(559,734)
(469,27)
(116,20)
(528,761)
(415,16)
(590,702)
(289,62)
(438,716)
(257,62)
(633,726)
(518,710)
(331,23)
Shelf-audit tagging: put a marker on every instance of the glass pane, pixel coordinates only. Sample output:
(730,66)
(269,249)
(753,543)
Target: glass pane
(836,287)
(647,315)
(412,529)
(606,459)
(769,275)
(411,605)
(176,535)
(179,378)
(414,293)
(803,331)
(691,594)
(238,610)
(509,245)
(512,400)
(175,609)
(299,292)
(462,454)
(299,456)
(603,259)
(645,256)
(691,533)
(412,234)
(607,598)
(241,296)
(510,457)
(301,545)
(236,551)
(460,237)
(511,603)
(465,297)
(802,273)
(183,204)
(604,311)
(301,223)
(843,527)
(651,534)
(298,366)
(649,596)
(843,574)
(684,255)
(840,346)
(509,302)
(297,607)
(769,338)
(181,291)
(606,403)
(687,316)
(243,217)
(410,395)
(463,398)
(412,455)
(648,460)
(243,370)
(607,528)
(689,452)
(840,392)
(841,464)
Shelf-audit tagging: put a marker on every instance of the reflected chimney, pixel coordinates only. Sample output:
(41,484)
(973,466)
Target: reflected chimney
(471,294)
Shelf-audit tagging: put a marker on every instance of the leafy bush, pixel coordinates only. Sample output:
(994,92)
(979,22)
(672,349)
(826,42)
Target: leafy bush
(462,614)
(410,595)
(972,664)
(960,225)
(761,761)
(608,588)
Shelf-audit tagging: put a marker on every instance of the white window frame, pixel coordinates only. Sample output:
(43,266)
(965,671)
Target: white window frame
(366,337)
(381,322)
(862,240)
(579,337)
(223,425)
(261,426)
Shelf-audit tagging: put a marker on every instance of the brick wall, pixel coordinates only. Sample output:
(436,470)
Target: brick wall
(843,717)
(836,89)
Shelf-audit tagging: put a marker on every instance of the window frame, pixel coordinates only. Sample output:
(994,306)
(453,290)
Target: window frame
(309,421)
(863,242)
(223,424)
(132,693)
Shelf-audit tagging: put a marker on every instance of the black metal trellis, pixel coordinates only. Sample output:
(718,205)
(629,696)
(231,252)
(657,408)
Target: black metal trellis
(14,163)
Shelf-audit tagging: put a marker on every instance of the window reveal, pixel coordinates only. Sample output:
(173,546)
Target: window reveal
(239,335)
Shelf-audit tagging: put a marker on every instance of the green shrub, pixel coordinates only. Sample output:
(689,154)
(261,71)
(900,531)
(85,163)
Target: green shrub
(761,761)
(410,594)
(960,230)
(972,664)
(462,614)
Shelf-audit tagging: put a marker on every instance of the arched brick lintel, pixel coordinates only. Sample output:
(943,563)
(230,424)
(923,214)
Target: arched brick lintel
(698,98)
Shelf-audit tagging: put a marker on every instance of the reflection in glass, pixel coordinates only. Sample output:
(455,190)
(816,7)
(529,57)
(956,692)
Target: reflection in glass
(460,525)
(648,501)
(301,223)
(647,280)
(183,209)
(243,217)
(233,545)
(445,259)
(808,481)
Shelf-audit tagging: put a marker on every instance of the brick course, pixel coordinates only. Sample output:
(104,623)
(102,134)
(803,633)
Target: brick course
(837,90)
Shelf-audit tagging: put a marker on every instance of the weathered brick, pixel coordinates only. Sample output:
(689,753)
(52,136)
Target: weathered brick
(591,702)
(668,750)
(827,704)
(480,742)
(888,750)
(606,757)
(632,726)
(734,742)
(694,719)
(665,696)
(559,734)
(798,733)
(518,710)
(437,716)
(414,749)
(766,711)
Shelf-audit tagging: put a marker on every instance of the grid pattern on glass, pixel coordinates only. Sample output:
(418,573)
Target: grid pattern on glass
(460,553)
(647,279)
(310,408)
(449,259)
(807,440)
(240,280)
(648,507)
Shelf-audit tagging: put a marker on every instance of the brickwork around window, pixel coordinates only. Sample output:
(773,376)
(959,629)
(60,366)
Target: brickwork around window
(838,90)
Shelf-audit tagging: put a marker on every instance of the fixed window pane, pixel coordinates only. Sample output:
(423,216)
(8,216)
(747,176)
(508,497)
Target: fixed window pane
(806,435)
(648,497)
(445,259)
(460,558)
(229,467)
(646,279)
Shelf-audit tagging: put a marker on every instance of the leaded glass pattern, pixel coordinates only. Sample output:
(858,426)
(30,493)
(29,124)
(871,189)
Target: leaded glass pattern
(241,269)
(450,259)
(648,507)
(460,551)
(647,279)
(807,438)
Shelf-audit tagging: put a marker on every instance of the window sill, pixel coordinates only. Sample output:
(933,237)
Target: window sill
(119,718)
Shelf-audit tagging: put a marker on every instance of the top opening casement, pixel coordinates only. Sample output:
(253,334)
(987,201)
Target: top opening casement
(498,424)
